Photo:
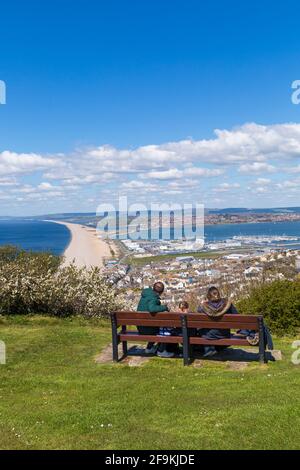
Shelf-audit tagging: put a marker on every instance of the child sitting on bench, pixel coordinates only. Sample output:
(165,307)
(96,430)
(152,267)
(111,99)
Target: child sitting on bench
(164,350)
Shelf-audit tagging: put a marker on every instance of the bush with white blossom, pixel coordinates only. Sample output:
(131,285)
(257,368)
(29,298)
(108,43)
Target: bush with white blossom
(35,283)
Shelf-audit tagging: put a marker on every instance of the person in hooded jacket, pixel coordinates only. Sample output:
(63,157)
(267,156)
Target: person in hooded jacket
(150,301)
(215,306)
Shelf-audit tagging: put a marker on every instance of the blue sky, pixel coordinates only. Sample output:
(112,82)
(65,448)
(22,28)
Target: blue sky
(109,97)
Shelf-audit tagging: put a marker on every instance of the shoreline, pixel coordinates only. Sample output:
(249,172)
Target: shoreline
(85,249)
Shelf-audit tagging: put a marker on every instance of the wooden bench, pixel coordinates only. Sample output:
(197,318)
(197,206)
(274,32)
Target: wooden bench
(121,334)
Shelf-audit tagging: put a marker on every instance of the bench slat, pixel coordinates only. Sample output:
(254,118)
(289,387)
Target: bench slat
(147,315)
(219,342)
(192,324)
(158,323)
(200,317)
(227,318)
(134,336)
(223,325)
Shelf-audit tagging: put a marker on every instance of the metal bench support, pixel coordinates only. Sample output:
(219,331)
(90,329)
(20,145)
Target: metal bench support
(124,343)
(186,345)
(114,330)
(262,350)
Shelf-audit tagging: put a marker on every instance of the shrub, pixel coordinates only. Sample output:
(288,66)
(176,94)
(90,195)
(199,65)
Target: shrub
(42,261)
(278,302)
(8,253)
(34,283)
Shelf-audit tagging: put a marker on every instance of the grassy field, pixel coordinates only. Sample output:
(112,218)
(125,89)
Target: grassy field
(54,396)
(171,257)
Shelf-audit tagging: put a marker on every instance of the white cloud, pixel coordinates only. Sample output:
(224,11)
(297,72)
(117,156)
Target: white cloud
(12,163)
(175,173)
(202,172)
(225,187)
(256,168)
(289,184)
(250,144)
(45,186)
(139,187)
(8,182)
(261,189)
(262,182)
(185,167)
(253,147)
(173,192)
(133,185)
(294,169)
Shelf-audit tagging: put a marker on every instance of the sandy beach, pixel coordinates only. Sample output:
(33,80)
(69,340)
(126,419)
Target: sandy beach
(85,248)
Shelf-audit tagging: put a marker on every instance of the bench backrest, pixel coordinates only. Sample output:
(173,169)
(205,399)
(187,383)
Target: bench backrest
(167,319)
(200,320)
(194,320)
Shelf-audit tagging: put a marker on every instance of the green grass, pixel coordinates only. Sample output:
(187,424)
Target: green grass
(54,396)
(164,258)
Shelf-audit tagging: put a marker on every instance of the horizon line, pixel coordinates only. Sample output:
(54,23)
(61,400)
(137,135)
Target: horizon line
(95,213)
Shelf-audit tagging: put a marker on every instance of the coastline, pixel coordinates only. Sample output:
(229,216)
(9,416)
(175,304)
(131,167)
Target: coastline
(85,248)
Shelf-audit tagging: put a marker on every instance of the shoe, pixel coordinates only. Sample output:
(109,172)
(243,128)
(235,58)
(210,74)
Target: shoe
(209,352)
(253,340)
(151,350)
(165,354)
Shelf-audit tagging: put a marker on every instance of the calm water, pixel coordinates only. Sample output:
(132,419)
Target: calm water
(35,235)
(223,232)
(218,233)
(46,236)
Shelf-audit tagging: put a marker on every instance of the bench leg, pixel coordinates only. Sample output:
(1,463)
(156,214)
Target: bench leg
(125,348)
(186,345)
(124,343)
(262,350)
(114,330)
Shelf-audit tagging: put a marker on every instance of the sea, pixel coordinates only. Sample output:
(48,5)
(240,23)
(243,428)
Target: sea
(285,233)
(37,235)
